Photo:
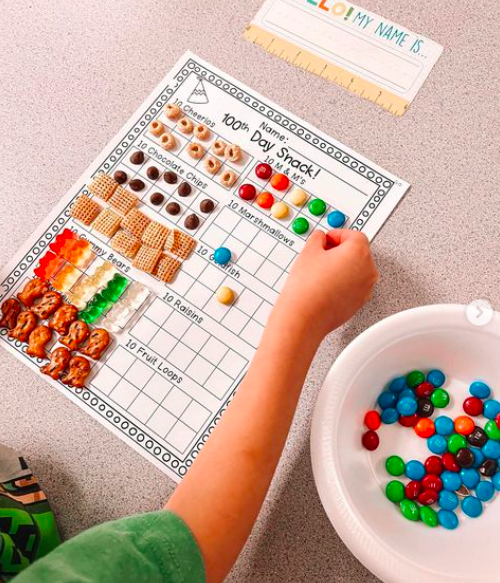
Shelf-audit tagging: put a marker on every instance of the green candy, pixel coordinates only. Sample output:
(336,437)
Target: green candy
(85,317)
(440,398)
(317,207)
(395,465)
(300,226)
(456,442)
(415,378)
(492,431)
(99,302)
(428,516)
(409,509)
(395,491)
(115,288)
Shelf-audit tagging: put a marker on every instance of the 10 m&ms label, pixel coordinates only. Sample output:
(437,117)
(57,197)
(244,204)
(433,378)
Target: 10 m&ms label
(463,471)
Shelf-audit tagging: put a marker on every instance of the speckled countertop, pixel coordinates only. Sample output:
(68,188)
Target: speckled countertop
(72,73)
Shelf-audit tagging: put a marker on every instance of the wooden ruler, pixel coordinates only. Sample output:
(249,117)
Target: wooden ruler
(310,62)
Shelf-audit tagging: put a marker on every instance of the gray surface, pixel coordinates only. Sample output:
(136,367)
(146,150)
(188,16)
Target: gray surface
(72,73)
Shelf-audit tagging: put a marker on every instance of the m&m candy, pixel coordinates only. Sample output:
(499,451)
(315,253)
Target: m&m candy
(370,440)
(485,491)
(491,429)
(222,256)
(397,384)
(406,406)
(427,497)
(440,398)
(413,489)
(280,182)
(470,477)
(448,500)
(395,465)
(428,516)
(425,428)
(480,390)
(263,171)
(432,482)
(386,400)
(335,219)
(464,425)
(408,420)
(372,420)
(456,442)
(317,207)
(395,491)
(389,416)
(449,462)
(451,480)
(447,519)
(300,225)
(437,444)
(491,409)
(491,449)
(409,509)
(473,406)
(444,425)
(433,465)
(414,470)
(247,191)
(436,378)
(472,506)
(424,390)
(478,437)
(415,378)
(464,458)
(488,468)
(425,408)
(265,200)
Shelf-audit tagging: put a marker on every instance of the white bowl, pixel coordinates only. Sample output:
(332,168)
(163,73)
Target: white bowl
(351,481)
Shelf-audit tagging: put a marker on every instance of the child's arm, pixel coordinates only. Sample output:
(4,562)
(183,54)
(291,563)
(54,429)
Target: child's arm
(221,495)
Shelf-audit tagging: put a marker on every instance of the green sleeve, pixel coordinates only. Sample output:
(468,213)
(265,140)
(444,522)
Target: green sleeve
(156,547)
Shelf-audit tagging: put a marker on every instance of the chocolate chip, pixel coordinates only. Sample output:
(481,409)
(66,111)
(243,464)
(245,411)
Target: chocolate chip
(170,177)
(185,189)
(136,184)
(157,198)
(153,173)
(173,208)
(120,176)
(192,222)
(207,205)
(137,157)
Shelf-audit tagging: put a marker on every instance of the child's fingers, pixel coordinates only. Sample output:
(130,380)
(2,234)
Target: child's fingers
(317,240)
(337,237)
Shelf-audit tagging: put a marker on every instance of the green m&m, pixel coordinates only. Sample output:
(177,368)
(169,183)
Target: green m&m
(409,509)
(428,516)
(415,378)
(492,430)
(456,442)
(395,491)
(317,207)
(395,465)
(440,398)
(300,225)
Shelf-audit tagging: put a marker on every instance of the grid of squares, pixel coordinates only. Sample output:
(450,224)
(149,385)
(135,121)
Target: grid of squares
(294,211)
(192,350)
(152,400)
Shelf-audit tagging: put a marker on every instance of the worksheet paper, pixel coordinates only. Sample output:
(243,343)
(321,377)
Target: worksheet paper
(169,376)
(363,52)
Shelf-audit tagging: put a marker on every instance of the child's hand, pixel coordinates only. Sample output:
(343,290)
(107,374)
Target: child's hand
(330,280)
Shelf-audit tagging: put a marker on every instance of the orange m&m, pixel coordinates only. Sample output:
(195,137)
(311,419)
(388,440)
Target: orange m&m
(464,425)
(265,200)
(425,427)
(280,182)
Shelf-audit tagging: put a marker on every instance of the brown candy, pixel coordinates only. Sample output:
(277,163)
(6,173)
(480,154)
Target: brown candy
(58,362)
(37,340)
(47,305)
(185,189)
(207,205)
(192,222)
(137,157)
(157,198)
(170,177)
(26,323)
(34,289)
(11,309)
(136,184)
(153,173)
(77,334)
(173,208)
(63,317)
(96,344)
(120,176)
(78,371)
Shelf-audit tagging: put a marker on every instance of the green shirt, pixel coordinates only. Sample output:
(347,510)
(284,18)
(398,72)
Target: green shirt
(156,547)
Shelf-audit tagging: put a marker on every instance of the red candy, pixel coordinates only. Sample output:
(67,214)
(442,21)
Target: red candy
(370,440)
(424,390)
(425,428)
(497,421)
(428,497)
(431,482)
(473,406)
(247,191)
(263,171)
(265,200)
(372,420)
(412,489)
(434,465)
(409,420)
(449,462)
(280,182)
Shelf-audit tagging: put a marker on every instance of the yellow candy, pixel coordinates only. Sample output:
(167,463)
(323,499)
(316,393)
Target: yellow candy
(298,197)
(225,295)
(279,210)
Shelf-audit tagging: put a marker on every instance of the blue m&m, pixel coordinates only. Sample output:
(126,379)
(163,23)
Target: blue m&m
(436,377)
(485,491)
(222,256)
(407,406)
(336,219)
(444,425)
(447,519)
(472,506)
(480,389)
(491,409)
(415,470)
(437,444)
(448,500)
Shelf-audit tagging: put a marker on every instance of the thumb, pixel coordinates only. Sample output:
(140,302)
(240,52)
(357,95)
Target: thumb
(316,241)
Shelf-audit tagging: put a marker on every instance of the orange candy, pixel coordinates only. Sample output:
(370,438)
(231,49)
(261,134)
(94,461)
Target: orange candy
(425,427)
(265,200)
(464,425)
(280,182)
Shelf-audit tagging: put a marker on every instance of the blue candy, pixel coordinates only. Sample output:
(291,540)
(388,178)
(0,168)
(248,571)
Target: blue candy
(222,255)
(470,477)
(491,409)
(406,393)
(485,491)
(414,470)
(491,449)
(436,378)
(397,385)
(437,444)
(472,506)
(451,480)
(335,219)
(448,500)
(478,457)
(389,416)
(479,389)
(386,400)
(496,481)
(447,519)
(444,425)
(407,406)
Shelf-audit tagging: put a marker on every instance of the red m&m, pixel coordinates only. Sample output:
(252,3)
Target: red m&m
(370,440)
(473,406)
(263,171)
(372,420)
(247,191)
